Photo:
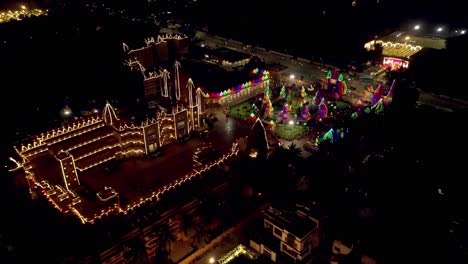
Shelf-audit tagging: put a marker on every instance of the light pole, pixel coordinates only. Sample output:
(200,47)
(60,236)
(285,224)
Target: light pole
(66,112)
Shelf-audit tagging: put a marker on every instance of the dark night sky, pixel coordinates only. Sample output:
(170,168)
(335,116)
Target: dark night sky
(451,11)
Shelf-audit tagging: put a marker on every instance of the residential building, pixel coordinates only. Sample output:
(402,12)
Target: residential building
(292,233)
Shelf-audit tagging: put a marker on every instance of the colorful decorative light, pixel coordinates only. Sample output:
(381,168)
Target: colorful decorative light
(305,114)
(265,77)
(323,109)
(283,92)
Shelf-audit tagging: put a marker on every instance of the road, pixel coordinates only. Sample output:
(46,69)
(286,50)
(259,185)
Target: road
(311,71)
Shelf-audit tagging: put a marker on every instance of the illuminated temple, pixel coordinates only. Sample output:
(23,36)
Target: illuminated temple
(101,165)
(56,162)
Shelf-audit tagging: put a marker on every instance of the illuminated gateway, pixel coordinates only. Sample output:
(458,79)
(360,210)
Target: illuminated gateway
(58,164)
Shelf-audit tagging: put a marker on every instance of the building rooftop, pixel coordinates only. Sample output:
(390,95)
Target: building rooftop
(108,182)
(131,179)
(275,67)
(213,78)
(432,42)
(295,221)
(403,44)
(229,55)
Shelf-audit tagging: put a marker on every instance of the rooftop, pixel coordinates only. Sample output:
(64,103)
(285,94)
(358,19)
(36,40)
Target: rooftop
(432,42)
(402,44)
(108,182)
(275,67)
(229,54)
(213,78)
(132,179)
(296,221)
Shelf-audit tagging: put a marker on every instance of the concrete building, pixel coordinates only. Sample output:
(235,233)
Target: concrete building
(227,57)
(291,233)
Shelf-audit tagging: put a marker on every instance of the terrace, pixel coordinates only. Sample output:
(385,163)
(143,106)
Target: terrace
(133,181)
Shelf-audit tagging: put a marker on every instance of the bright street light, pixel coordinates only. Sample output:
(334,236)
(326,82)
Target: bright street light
(407,37)
(417,27)
(291,122)
(463,32)
(292,76)
(212,260)
(439,29)
(66,112)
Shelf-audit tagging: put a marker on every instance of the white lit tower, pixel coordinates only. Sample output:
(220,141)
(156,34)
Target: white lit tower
(177,80)
(165,75)
(194,109)
(109,115)
(199,97)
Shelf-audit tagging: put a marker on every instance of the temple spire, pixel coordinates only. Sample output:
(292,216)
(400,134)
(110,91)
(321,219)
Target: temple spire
(108,114)
(177,81)
(190,87)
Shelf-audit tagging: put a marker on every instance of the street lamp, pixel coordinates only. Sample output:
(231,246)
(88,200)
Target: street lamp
(407,38)
(292,77)
(291,122)
(463,32)
(439,29)
(212,260)
(417,27)
(66,112)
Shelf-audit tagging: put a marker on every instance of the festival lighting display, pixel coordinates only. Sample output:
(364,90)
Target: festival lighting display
(265,75)
(394,49)
(90,142)
(65,201)
(236,252)
(395,63)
